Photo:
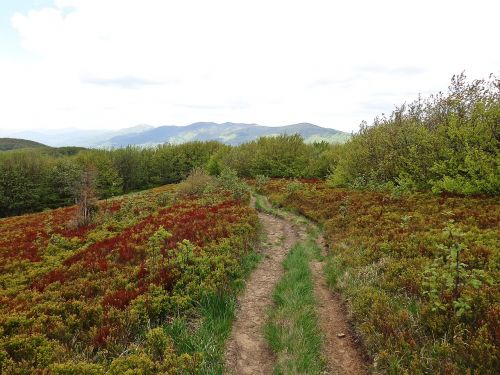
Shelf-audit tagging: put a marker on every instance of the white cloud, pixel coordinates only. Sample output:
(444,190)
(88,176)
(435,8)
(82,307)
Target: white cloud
(119,63)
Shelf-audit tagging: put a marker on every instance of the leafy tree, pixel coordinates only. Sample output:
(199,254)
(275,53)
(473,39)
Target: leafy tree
(63,178)
(108,181)
(447,143)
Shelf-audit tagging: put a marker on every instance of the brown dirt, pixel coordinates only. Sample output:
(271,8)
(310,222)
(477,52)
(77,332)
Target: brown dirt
(247,351)
(341,353)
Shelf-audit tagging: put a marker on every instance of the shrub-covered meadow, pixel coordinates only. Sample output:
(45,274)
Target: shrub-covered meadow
(419,273)
(409,205)
(115,295)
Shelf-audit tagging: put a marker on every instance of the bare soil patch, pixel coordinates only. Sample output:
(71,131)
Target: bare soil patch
(247,351)
(341,350)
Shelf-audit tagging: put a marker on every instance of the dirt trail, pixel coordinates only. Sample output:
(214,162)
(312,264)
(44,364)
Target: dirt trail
(339,345)
(247,351)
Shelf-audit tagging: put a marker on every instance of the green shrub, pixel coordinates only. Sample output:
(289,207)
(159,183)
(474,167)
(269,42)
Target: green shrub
(294,186)
(31,350)
(447,143)
(164,199)
(133,364)
(229,180)
(72,368)
(158,343)
(195,183)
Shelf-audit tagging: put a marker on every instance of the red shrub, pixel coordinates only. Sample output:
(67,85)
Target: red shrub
(120,298)
(51,277)
(101,336)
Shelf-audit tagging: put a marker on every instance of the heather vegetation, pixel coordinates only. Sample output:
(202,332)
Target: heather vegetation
(146,286)
(122,271)
(419,273)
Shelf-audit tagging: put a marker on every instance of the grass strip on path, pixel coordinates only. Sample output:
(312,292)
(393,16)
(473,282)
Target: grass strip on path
(293,330)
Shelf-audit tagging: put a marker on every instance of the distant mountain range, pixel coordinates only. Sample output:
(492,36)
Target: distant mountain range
(145,135)
(74,137)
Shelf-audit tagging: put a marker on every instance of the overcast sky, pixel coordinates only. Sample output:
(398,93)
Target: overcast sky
(119,63)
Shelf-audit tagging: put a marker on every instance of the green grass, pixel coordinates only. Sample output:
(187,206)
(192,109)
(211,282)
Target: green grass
(333,270)
(262,205)
(292,331)
(216,315)
(218,312)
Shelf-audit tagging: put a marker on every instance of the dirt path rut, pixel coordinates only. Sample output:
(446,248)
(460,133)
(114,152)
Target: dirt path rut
(340,348)
(247,351)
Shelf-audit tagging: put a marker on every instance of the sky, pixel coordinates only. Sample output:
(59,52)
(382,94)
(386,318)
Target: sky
(95,64)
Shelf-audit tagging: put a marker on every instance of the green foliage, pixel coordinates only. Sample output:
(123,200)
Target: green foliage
(34,350)
(97,298)
(418,273)
(71,368)
(199,183)
(109,183)
(22,182)
(156,242)
(260,183)
(228,180)
(294,186)
(195,183)
(448,279)
(158,343)
(34,179)
(282,156)
(447,143)
(173,163)
(133,364)
(16,143)
(215,163)
(63,178)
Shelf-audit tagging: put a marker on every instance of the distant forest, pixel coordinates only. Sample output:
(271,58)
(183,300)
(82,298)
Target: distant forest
(447,143)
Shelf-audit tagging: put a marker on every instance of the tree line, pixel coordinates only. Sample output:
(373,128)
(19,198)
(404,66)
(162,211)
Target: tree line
(446,143)
(36,179)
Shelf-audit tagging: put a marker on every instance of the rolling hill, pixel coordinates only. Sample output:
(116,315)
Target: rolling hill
(228,133)
(145,135)
(7,144)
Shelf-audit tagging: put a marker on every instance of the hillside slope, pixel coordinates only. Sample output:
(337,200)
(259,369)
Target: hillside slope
(7,144)
(147,257)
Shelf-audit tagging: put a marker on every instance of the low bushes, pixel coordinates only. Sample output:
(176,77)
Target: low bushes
(419,273)
(99,298)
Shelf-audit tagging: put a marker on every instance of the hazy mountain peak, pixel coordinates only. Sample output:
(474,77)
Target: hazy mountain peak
(227,132)
(146,135)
